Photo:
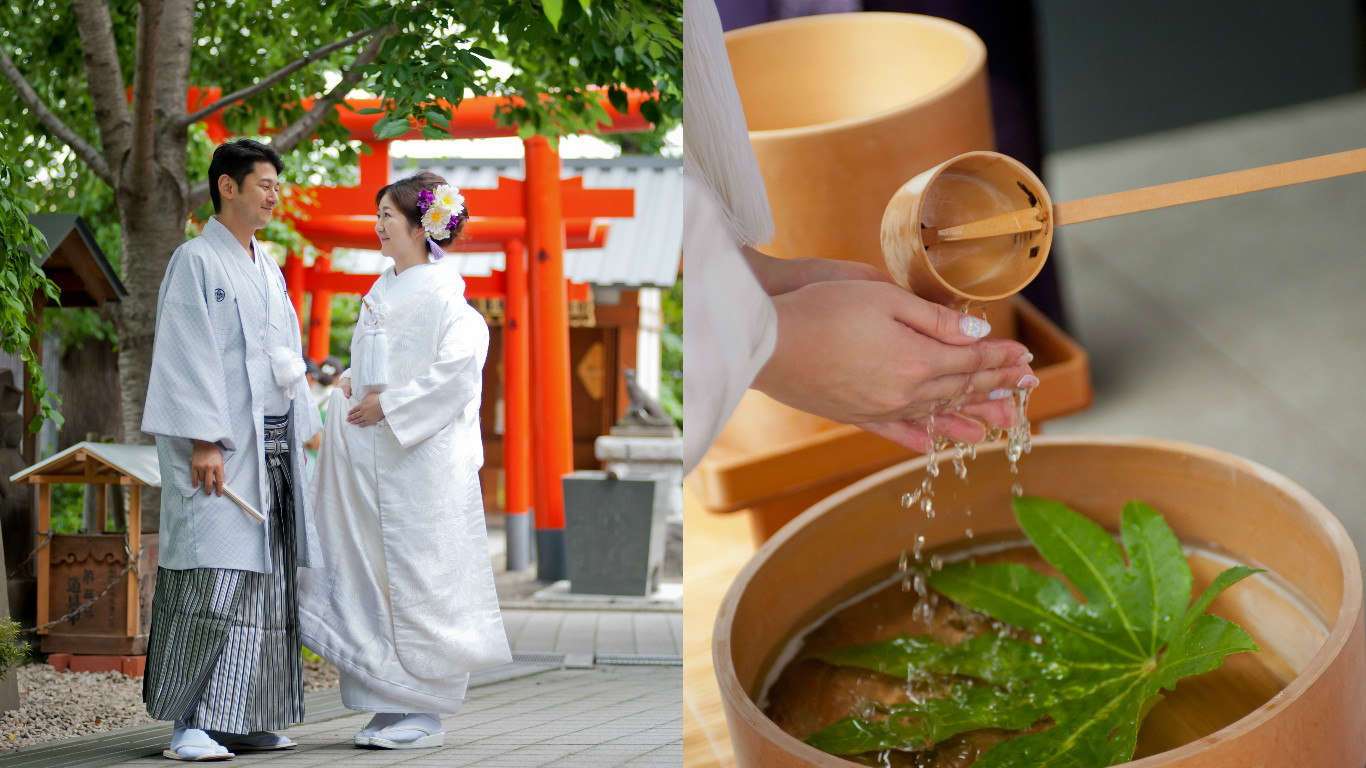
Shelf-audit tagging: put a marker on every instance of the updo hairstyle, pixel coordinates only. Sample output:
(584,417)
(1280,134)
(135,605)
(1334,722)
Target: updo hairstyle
(404,194)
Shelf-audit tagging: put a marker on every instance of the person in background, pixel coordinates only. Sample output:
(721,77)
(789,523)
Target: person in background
(312,375)
(328,370)
(323,377)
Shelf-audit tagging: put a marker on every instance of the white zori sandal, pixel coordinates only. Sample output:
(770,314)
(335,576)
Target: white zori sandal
(415,731)
(379,722)
(194,745)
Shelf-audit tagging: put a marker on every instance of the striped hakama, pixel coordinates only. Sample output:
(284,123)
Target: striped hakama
(224,648)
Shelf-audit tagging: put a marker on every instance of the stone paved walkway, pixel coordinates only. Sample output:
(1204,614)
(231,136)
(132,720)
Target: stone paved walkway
(601,716)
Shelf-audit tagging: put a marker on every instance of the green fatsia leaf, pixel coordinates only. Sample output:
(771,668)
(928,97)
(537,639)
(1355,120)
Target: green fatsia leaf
(1096,728)
(1103,663)
(988,657)
(1090,559)
(1155,592)
(918,724)
(1222,582)
(1200,649)
(1022,597)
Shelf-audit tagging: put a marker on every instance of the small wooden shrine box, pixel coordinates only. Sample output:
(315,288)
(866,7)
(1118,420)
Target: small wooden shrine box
(78,567)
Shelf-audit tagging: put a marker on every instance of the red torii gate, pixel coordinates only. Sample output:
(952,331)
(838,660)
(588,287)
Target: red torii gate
(537,215)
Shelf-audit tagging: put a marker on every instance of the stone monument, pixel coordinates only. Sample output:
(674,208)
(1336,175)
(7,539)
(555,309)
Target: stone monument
(645,443)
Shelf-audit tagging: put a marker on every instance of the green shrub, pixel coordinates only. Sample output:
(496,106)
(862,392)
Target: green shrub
(68,507)
(12,653)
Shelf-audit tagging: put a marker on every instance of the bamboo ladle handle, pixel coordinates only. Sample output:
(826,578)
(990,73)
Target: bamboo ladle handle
(1160,196)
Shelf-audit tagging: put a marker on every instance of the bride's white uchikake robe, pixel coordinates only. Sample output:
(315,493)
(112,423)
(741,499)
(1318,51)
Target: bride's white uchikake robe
(405,603)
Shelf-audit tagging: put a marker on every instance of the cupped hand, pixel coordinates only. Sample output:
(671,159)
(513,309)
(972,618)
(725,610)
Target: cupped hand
(367,413)
(965,424)
(872,354)
(345,386)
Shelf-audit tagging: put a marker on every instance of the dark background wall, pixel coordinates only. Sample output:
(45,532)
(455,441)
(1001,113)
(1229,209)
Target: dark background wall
(1113,69)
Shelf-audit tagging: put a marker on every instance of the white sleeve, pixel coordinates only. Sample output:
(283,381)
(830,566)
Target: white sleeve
(729,324)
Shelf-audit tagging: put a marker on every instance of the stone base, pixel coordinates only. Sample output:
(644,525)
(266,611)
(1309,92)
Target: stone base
(644,431)
(132,666)
(673,551)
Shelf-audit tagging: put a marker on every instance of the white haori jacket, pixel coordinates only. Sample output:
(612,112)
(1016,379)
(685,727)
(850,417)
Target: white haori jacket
(405,602)
(210,381)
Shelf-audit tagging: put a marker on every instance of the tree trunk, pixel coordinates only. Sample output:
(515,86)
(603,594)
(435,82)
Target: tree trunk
(153,227)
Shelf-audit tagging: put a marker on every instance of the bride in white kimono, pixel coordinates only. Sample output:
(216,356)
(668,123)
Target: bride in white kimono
(405,605)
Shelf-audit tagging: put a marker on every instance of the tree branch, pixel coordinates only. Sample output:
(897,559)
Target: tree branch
(104,80)
(174,47)
(264,83)
(314,117)
(83,149)
(199,193)
(144,89)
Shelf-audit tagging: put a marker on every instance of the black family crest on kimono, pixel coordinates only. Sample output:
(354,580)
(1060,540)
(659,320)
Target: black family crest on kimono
(211,380)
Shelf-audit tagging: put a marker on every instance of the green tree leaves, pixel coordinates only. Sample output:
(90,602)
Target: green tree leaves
(20,282)
(1100,665)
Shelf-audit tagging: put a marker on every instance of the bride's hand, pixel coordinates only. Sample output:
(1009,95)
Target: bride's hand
(345,386)
(367,413)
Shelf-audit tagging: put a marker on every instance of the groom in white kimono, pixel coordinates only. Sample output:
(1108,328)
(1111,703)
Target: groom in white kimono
(230,408)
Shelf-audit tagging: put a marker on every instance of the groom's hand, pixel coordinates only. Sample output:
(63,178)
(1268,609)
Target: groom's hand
(206,466)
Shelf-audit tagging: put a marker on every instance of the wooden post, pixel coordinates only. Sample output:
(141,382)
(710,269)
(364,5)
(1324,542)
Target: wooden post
(294,282)
(550,352)
(320,313)
(134,544)
(101,492)
(45,557)
(516,410)
(374,165)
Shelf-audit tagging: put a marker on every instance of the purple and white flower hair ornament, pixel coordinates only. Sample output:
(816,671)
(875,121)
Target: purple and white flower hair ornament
(440,209)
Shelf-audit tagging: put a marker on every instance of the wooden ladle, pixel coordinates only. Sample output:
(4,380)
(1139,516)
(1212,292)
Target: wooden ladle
(978,227)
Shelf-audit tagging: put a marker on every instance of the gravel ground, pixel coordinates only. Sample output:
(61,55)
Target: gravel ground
(59,705)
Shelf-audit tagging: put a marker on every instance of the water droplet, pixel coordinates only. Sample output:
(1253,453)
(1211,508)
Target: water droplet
(968,532)
(936,562)
(1016,490)
(1018,436)
(901,566)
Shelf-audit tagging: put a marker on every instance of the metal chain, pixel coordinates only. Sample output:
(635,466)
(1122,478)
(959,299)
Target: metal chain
(42,544)
(132,566)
